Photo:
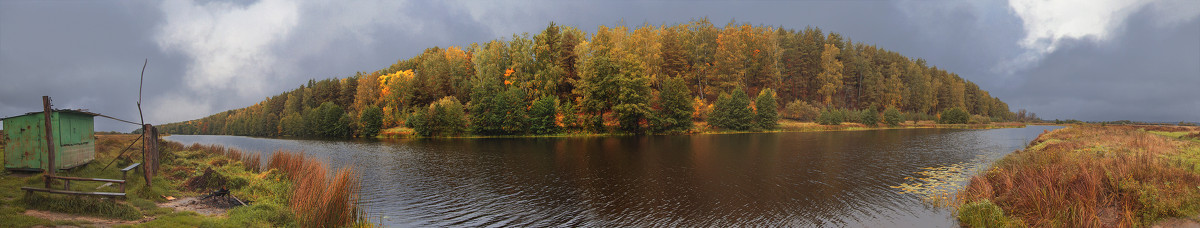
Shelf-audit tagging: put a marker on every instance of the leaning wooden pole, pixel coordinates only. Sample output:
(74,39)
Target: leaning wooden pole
(50,169)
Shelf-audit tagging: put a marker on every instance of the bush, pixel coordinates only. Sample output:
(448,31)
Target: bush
(954,116)
(851,116)
(801,111)
(830,116)
(983,213)
(978,119)
(443,118)
(892,117)
(766,110)
(869,117)
(732,112)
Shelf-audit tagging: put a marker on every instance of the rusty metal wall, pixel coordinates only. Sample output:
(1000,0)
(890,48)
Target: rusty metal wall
(26,148)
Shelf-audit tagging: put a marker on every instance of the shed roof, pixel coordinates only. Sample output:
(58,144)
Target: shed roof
(77,111)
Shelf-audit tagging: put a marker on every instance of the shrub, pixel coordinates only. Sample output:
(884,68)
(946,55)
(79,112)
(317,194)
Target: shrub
(701,110)
(850,116)
(983,213)
(443,118)
(892,117)
(830,116)
(869,117)
(801,111)
(978,119)
(766,110)
(954,116)
(732,112)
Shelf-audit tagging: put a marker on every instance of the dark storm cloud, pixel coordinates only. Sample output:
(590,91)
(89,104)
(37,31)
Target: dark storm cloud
(1145,72)
(83,54)
(211,56)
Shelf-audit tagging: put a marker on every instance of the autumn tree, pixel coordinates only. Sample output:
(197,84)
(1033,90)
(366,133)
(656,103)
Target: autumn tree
(831,74)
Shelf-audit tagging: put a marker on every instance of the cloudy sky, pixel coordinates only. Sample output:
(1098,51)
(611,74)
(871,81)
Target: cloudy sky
(1070,59)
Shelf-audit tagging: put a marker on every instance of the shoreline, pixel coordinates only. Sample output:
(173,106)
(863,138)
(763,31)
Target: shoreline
(701,128)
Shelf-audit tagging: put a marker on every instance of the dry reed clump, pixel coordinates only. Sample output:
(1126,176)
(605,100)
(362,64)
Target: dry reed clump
(1090,176)
(317,200)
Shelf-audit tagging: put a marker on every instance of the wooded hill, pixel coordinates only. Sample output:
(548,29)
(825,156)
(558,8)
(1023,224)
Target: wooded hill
(640,80)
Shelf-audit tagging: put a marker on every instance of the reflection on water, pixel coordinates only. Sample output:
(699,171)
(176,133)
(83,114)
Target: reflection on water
(768,179)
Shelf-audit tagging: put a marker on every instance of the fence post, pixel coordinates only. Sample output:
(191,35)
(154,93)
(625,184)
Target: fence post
(51,169)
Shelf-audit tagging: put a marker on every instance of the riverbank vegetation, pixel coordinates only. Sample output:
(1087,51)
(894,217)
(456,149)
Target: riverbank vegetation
(291,190)
(623,80)
(1093,176)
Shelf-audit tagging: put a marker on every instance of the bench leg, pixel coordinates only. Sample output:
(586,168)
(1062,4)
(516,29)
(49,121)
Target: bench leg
(66,184)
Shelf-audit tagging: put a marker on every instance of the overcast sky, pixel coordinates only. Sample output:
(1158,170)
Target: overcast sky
(1075,59)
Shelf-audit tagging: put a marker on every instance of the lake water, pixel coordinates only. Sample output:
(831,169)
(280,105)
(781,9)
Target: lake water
(766,179)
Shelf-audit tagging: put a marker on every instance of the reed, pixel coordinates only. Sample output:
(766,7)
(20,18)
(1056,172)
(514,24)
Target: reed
(317,200)
(1090,176)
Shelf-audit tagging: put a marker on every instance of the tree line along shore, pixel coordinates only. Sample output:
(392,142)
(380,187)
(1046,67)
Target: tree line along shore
(642,80)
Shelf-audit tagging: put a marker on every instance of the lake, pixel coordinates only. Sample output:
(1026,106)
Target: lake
(841,178)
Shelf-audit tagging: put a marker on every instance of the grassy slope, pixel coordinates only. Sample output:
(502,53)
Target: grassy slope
(1089,176)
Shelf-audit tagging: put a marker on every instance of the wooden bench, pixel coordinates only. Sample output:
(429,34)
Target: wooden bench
(127,169)
(67,184)
(67,187)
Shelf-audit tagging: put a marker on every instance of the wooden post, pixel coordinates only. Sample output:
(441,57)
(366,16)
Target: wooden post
(150,161)
(49,142)
(146,147)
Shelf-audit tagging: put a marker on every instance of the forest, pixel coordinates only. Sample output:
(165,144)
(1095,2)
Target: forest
(643,80)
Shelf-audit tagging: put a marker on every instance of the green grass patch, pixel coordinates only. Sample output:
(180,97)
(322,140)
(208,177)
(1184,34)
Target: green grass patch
(984,213)
(182,219)
(81,205)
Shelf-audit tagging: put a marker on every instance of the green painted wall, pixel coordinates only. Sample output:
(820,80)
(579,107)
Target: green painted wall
(73,132)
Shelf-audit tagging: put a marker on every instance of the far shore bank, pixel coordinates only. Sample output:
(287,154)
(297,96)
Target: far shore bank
(702,128)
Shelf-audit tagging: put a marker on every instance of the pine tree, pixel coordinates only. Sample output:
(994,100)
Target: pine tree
(732,112)
(766,110)
(677,107)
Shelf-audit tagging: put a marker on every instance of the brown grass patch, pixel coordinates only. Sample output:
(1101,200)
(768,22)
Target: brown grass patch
(1089,176)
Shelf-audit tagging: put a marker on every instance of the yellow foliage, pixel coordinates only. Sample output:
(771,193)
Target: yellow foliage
(404,75)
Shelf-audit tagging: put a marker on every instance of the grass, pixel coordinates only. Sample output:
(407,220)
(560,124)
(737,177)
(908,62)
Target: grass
(984,213)
(1088,176)
(82,205)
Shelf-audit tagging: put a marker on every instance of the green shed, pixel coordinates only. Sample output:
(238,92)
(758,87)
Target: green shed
(73,131)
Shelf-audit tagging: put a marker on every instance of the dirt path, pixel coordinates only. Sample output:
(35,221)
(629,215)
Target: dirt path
(193,204)
(1178,223)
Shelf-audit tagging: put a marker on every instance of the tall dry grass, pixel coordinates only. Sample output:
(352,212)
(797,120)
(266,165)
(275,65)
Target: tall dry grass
(1090,176)
(317,200)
